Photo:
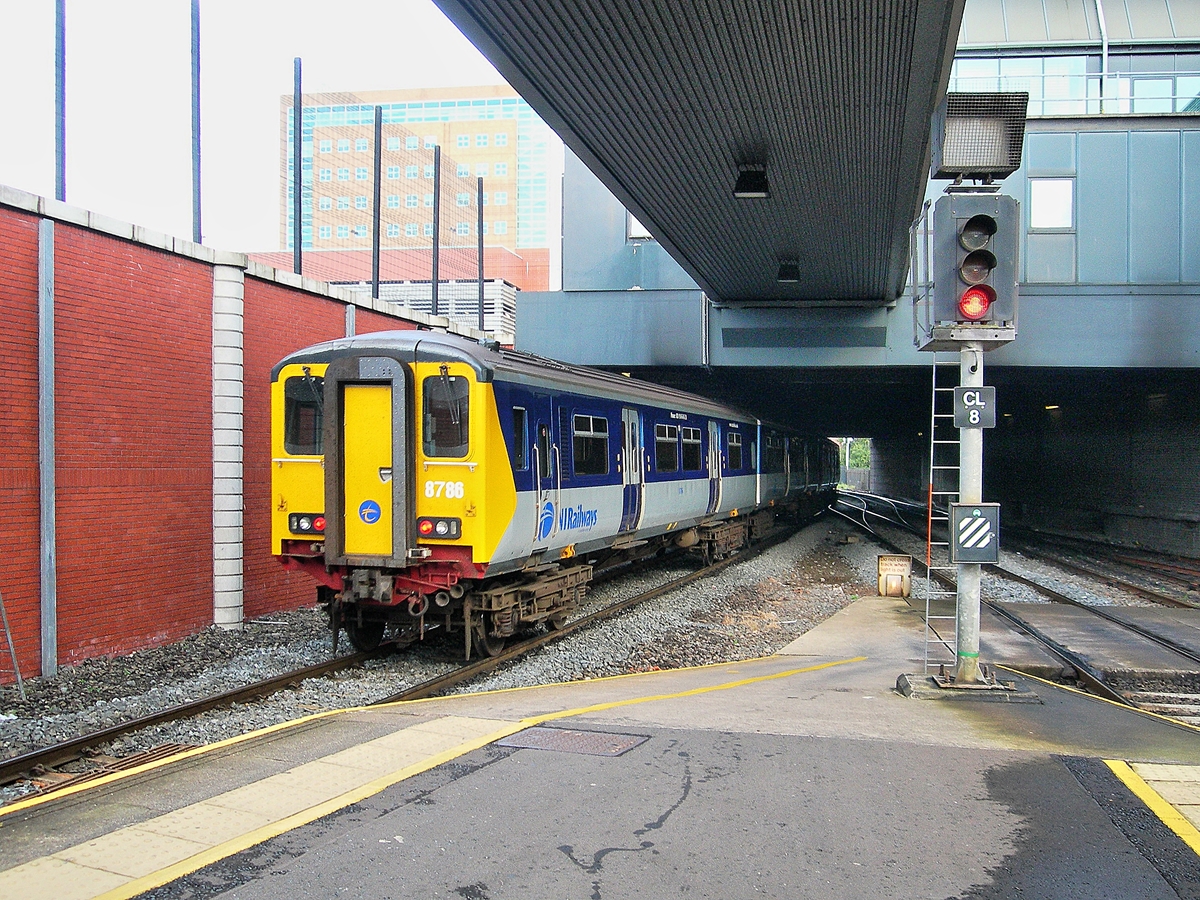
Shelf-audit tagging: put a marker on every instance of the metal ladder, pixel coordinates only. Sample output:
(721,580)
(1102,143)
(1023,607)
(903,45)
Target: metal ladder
(12,650)
(941,631)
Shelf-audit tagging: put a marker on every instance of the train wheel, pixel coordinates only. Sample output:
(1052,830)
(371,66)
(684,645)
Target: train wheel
(485,643)
(367,636)
(557,622)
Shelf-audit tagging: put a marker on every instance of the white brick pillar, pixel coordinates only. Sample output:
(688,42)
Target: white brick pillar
(229,283)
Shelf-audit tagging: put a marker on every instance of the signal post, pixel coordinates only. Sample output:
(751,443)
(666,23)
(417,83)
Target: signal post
(976,234)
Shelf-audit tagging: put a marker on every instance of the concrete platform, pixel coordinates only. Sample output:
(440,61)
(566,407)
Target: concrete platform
(802,774)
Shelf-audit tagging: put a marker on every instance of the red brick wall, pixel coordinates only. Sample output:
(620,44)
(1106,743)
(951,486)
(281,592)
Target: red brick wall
(19,572)
(279,320)
(367,321)
(133,346)
(133,341)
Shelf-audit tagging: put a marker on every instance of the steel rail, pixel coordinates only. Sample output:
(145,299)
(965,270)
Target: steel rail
(14,767)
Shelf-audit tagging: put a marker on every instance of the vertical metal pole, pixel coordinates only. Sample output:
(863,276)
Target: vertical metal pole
(437,222)
(297,180)
(479,234)
(375,214)
(46,447)
(197,234)
(970,490)
(60,100)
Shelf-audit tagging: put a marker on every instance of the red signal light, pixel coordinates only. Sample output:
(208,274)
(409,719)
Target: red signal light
(973,305)
(319,523)
(425,526)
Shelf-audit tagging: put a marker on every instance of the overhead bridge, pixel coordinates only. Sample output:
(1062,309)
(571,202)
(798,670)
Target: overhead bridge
(825,104)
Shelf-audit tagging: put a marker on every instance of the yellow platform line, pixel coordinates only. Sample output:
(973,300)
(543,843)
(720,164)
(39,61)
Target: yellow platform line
(693,692)
(91,871)
(1157,804)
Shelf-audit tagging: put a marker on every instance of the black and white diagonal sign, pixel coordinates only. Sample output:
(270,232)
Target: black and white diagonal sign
(974,533)
(975,528)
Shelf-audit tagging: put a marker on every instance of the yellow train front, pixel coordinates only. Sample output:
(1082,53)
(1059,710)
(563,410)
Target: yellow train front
(427,481)
(390,482)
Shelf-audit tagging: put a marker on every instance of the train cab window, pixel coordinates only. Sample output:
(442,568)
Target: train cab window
(590,445)
(691,449)
(303,415)
(445,429)
(520,439)
(666,448)
(735,451)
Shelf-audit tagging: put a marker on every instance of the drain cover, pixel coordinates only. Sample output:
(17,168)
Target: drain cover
(591,743)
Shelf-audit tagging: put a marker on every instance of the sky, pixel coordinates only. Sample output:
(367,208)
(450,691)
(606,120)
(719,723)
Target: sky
(129,97)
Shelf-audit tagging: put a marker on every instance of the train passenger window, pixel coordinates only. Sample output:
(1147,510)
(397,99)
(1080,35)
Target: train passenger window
(543,450)
(735,451)
(520,439)
(691,449)
(303,415)
(445,426)
(590,445)
(666,448)
(774,461)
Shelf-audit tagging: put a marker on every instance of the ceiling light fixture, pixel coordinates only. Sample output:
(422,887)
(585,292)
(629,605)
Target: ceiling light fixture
(789,272)
(752,183)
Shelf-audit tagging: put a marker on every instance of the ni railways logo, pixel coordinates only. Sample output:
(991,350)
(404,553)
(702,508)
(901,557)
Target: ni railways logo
(568,518)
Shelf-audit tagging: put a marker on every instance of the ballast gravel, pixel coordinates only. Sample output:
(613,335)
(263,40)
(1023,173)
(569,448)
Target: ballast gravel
(749,609)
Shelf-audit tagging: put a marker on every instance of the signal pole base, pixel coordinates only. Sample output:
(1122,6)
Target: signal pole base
(943,687)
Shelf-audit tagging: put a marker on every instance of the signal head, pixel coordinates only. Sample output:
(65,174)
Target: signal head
(975,302)
(976,233)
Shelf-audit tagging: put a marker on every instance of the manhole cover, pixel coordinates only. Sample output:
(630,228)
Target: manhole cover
(592,743)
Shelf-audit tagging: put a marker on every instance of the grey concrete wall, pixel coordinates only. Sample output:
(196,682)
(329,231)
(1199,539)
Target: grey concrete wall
(1118,458)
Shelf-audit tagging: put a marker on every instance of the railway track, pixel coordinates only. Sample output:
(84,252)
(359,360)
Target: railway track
(1182,705)
(1186,579)
(44,761)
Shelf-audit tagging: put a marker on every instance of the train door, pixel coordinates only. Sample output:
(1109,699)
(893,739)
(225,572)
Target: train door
(368,480)
(545,460)
(714,467)
(787,465)
(631,470)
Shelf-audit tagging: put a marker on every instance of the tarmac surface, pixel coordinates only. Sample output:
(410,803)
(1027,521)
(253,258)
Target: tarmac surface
(804,774)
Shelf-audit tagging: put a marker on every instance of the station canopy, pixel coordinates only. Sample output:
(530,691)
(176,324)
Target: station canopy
(823,105)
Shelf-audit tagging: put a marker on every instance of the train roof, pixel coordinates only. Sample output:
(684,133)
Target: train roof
(491,362)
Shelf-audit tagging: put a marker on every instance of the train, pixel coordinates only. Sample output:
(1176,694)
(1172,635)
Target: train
(428,481)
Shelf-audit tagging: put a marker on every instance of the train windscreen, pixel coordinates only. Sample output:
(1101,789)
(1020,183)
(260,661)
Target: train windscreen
(304,415)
